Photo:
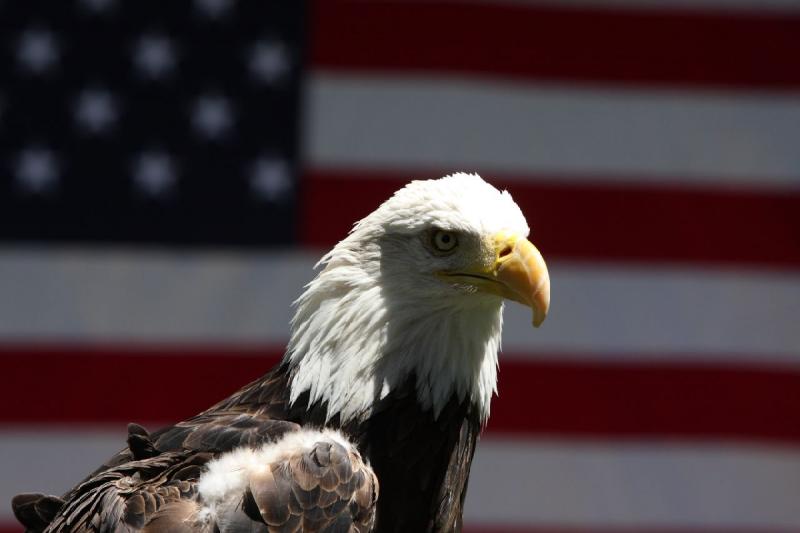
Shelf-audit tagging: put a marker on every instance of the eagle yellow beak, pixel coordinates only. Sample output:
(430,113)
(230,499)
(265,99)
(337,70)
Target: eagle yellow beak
(521,274)
(518,273)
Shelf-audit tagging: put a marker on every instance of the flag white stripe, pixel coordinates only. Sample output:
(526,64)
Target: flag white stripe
(51,461)
(596,484)
(561,132)
(621,312)
(517,482)
(80,294)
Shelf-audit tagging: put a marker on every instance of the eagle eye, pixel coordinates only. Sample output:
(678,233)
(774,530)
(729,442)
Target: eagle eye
(444,241)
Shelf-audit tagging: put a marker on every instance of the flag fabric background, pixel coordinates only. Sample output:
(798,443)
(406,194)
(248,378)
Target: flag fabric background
(171,173)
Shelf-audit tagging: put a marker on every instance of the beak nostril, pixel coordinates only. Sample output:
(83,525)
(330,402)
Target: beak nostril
(504,252)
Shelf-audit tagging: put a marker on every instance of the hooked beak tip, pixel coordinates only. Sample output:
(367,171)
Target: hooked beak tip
(525,273)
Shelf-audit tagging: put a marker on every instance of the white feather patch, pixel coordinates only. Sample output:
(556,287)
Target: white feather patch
(228,475)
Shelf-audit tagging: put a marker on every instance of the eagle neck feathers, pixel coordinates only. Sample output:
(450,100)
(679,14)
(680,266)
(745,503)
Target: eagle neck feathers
(356,338)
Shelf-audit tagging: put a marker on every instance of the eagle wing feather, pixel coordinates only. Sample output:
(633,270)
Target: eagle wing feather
(322,487)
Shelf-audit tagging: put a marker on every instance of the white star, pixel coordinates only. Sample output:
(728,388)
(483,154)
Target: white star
(37,170)
(212,116)
(269,61)
(213,9)
(269,179)
(154,173)
(95,110)
(37,50)
(154,56)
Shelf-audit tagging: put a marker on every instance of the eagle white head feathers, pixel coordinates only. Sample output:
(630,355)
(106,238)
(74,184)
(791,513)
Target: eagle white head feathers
(417,288)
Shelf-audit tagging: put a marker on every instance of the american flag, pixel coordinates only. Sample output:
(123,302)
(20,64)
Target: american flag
(172,170)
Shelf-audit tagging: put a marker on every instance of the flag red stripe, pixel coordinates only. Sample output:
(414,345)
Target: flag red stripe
(586,221)
(671,47)
(646,400)
(122,383)
(116,384)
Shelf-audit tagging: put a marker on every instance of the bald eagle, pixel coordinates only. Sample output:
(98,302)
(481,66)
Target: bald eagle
(370,421)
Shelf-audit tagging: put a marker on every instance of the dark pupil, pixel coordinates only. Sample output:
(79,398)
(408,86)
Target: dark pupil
(445,238)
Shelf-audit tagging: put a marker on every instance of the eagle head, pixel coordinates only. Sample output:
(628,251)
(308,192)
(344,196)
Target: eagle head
(416,291)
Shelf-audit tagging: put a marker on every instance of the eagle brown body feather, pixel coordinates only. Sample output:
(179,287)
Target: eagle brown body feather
(421,461)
